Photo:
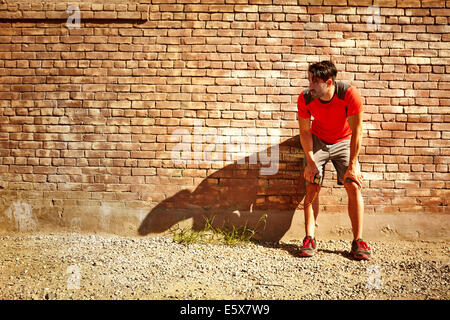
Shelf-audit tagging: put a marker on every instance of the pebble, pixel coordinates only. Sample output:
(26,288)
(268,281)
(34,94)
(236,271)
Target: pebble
(113,267)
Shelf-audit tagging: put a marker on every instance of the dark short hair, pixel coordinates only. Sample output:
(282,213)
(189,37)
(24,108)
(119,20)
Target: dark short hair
(323,70)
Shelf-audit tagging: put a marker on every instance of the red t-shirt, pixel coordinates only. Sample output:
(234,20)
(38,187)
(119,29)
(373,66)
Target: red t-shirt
(330,118)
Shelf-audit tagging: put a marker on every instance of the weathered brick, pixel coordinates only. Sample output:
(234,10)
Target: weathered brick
(117,89)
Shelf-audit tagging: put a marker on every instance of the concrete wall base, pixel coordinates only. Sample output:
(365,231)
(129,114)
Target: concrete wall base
(116,218)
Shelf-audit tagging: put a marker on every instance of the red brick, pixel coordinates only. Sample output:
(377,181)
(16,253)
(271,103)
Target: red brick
(119,89)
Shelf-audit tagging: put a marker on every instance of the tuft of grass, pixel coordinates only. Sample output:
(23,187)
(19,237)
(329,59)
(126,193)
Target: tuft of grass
(209,234)
(186,235)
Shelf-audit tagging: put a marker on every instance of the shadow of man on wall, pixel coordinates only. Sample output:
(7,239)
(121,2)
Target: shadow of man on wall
(240,194)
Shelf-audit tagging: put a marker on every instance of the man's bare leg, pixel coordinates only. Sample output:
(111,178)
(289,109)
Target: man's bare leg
(355,208)
(311,208)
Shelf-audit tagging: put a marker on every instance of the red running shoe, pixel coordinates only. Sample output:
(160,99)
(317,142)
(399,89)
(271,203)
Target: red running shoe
(360,250)
(308,248)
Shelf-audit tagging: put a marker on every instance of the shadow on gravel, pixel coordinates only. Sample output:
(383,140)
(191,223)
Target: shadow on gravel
(345,254)
(293,250)
(239,195)
(290,248)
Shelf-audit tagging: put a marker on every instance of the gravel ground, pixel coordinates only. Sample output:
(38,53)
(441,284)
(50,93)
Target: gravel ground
(82,266)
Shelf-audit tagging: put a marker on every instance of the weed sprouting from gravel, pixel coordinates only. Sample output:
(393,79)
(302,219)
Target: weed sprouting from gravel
(230,235)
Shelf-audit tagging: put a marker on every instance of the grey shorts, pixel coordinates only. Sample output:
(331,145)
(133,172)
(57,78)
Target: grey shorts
(338,153)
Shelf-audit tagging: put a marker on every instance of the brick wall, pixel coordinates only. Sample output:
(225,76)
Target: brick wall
(90,115)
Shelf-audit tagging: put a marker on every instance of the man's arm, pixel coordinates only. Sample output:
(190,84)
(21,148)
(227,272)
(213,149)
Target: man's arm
(307,145)
(356,123)
(306,137)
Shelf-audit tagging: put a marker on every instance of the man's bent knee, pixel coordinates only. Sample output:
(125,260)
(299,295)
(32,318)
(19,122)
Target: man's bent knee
(351,187)
(312,188)
(312,192)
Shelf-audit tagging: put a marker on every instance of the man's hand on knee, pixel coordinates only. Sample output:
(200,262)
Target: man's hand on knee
(354,175)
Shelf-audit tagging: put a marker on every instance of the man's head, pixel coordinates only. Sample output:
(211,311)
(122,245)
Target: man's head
(321,76)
